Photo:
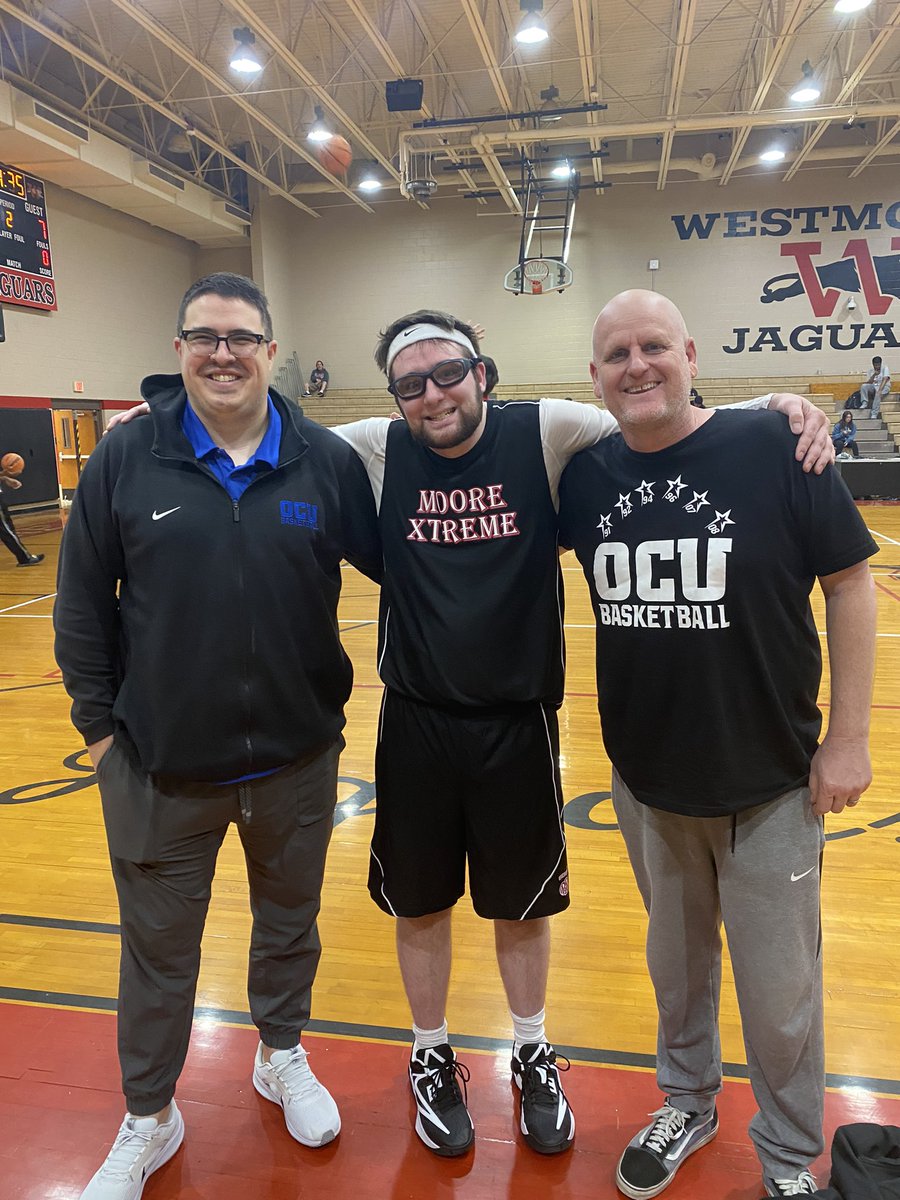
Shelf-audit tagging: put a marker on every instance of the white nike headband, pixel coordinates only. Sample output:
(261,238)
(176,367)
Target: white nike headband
(426,333)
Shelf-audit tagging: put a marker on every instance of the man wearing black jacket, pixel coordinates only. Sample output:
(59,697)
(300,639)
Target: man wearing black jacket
(197,634)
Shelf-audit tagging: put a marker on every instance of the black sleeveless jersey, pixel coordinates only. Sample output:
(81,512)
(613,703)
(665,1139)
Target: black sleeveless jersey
(472,604)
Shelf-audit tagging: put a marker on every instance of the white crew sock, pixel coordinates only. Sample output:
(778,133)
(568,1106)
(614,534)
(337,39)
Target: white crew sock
(427,1038)
(527,1030)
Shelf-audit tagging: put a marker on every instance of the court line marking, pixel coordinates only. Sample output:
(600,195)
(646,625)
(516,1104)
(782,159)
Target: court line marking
(585,1054)
(25,603)
(884,537)
(886,590)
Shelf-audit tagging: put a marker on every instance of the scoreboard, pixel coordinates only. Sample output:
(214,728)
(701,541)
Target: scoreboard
(26,263)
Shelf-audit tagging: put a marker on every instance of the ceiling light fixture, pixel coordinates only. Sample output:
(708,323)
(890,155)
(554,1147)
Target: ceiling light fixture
(772,155)
(851,6)
(319,131)
(562,170)
(244,59)
(548,113)
(807,89)
(533,28)
(369,181)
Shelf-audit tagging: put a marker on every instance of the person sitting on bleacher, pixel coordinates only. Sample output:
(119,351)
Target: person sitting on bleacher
(318,380)
(843,436)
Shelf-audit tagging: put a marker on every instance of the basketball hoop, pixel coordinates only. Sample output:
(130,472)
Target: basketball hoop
(537,272)
(538,277)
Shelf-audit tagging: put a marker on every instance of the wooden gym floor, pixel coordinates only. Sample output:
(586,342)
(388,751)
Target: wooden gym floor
(59,1092)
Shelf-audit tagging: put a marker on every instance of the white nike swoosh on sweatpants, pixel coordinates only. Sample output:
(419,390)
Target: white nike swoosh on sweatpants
(802,874)
(159,516)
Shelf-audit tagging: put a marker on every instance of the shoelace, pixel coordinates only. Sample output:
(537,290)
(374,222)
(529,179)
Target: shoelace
(128,1147)
(803,1185)
(670,1123)
(296,1076)
(541,1074)
(442,1086)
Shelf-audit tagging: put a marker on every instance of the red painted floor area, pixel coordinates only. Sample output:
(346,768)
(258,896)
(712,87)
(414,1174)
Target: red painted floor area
(60,1108)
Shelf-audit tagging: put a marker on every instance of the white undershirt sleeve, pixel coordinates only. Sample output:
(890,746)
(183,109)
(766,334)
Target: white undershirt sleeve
(369,439)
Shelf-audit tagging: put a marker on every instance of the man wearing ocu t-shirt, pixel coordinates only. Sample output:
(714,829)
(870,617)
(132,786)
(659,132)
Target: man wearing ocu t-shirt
(700,542)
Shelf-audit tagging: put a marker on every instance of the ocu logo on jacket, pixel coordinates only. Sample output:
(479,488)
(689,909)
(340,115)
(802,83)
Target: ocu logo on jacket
(299,512)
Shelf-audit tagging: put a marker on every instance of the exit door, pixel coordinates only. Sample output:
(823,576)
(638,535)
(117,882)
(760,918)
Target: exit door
(75,432)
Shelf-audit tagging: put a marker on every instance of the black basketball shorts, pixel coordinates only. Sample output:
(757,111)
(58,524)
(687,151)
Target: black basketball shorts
(476,785)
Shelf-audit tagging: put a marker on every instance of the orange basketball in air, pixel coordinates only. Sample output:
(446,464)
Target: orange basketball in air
(335,155)
(12,464)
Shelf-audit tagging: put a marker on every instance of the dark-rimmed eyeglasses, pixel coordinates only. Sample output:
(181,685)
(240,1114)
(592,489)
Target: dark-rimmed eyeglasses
(445,374)
(241,343)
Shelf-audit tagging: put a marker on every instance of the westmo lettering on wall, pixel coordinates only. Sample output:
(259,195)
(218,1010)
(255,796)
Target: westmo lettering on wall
(827,268)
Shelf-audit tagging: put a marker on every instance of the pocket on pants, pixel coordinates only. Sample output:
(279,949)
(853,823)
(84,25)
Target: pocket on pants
(126,795)
(316,787)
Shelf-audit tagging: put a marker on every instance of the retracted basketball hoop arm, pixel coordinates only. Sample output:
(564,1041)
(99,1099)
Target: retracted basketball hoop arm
(548,210)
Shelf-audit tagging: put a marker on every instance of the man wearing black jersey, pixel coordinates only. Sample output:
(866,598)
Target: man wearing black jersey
(700,545)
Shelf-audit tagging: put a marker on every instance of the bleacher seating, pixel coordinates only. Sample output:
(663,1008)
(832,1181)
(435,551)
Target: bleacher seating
(875,438)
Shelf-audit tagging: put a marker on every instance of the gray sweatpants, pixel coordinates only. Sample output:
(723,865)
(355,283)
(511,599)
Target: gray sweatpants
(163,842)
(766,891)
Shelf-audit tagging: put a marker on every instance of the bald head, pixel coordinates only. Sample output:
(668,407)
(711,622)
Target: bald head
(643,364)
(638,303)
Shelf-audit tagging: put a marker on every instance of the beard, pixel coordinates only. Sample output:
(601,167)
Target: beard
(468,418)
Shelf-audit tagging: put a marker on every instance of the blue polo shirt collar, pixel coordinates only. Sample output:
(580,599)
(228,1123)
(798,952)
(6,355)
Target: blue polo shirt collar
(234,479)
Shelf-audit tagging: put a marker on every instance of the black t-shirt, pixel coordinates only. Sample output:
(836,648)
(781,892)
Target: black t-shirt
(471,603)
(700,559)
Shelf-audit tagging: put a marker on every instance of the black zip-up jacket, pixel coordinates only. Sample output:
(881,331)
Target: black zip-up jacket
(205,628)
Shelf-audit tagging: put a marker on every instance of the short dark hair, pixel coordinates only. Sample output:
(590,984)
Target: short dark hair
(424,316)
(877,358)
(233,287)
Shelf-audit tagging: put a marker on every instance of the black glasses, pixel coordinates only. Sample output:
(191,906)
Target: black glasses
(241,344)
(447,373)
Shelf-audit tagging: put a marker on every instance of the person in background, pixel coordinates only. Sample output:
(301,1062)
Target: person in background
(877,386)
(843,436)
(8,534)
(696,399)
(318,380)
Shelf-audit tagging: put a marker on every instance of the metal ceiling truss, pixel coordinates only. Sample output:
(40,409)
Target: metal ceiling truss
(142,74)
(212,171)
(585,25)
(774,59)
(222,88)
(851,83)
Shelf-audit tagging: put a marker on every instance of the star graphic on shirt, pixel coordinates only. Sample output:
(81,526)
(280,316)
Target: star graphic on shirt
(697,503)
(675,488)
(605,525)
(623,504)
(722,519)
(646,491)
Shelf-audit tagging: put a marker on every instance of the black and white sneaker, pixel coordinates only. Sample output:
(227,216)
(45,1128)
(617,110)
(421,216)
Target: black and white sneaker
(545,1118)
(653,1156)
(797,1185)
(442,1120)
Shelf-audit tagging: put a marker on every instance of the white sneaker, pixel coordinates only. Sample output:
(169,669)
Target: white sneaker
(141,1147)
(310,1113)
